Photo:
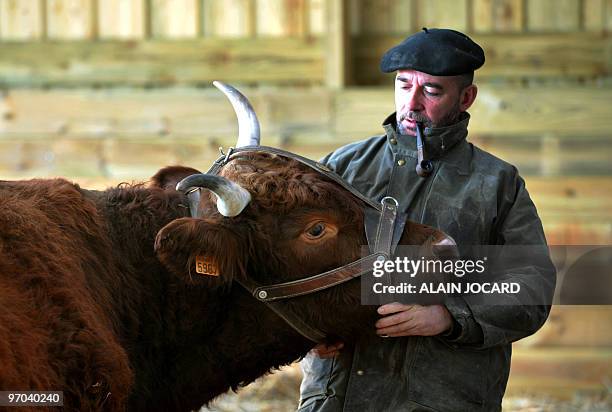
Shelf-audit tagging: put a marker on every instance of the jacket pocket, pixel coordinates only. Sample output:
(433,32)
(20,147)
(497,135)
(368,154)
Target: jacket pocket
(446,378)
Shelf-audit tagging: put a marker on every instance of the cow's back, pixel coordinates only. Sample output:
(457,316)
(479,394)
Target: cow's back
(55,331)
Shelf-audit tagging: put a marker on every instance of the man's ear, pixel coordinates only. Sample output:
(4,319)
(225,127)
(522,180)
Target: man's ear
(197,250)
(467,97)
(169,176)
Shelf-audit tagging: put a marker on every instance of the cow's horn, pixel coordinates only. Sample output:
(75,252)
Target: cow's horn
(248,125)
(231,197)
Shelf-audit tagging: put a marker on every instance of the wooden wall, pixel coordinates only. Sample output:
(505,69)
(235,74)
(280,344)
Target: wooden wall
(95,43)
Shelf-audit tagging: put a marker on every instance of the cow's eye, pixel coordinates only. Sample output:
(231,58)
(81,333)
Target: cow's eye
(315,231)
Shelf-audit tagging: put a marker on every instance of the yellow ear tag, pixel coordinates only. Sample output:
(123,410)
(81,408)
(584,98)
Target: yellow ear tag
(206,266)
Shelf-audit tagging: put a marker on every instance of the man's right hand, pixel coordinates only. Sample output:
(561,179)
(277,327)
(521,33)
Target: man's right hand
(325,351)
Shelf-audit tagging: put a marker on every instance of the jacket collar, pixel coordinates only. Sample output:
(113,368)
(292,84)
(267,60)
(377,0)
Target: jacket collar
(437,140)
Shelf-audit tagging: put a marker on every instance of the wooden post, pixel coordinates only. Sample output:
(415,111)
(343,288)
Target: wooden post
(174,19)
(122,19)
(337,45)
(229,18)
(20,20)
(70,19)
(553,16)
(452,14)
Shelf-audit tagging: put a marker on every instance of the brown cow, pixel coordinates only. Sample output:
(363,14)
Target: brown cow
(88,309)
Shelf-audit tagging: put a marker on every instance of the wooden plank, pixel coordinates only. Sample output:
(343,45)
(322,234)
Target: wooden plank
(375,16)
(545,55)
(553,15)
(99,163)
(482,16)
(199,113)
(498,110)
(508,15)
(291,113)
(498,118)
(403,17)
(337,53)
(559,371)
(25,158)
(550,155)
(593,12)
(11,157)
(271,18)
(443,13)
(574,210)
(554,113)
(7,110)
(524,56)
(385,16)
(70,19)
(122,19)
(560,232)
(275,61)
(78,157)
(229,18)
(316,17)
(360,112)
(174,18)
(573,326)
(497,16)
(136,159)
(21,19)
(309,117)
(354,17)
(281,17)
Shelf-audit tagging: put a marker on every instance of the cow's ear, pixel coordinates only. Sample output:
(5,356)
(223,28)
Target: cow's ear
(169,176)
(198,250)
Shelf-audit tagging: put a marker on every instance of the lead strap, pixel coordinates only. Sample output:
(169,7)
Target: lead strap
(383,242)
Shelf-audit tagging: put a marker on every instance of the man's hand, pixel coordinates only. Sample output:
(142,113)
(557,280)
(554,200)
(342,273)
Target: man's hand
(413,320)
(327,351)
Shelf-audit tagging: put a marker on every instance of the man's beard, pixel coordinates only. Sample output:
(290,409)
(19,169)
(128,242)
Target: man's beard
(451,118)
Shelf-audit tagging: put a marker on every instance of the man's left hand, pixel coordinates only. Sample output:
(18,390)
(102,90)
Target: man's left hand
(413,320)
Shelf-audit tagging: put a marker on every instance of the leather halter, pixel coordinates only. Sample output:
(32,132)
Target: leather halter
(383,224)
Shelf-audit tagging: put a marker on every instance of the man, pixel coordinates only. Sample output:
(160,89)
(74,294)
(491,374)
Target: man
(455,356)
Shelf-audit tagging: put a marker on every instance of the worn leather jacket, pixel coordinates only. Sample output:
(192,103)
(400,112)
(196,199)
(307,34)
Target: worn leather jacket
(477,199)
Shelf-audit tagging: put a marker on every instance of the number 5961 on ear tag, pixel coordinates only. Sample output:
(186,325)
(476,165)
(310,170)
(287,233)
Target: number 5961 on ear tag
(206,266)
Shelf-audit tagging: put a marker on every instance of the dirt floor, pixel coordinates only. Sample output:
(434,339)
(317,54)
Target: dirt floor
(279,393)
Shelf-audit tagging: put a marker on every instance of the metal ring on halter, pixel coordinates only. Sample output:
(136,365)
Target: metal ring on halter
(386,201)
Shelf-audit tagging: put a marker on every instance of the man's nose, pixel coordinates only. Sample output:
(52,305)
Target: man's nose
(413,100)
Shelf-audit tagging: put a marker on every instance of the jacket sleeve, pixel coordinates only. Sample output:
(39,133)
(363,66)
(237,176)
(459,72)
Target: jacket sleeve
(511,316)
(339,159)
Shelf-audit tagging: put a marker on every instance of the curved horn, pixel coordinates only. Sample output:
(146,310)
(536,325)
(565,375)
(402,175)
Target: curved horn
(231,197)
(248,125)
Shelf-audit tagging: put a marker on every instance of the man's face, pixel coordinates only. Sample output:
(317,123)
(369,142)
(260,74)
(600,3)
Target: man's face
(435,101)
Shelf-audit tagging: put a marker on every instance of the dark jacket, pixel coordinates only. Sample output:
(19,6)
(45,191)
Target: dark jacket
(477,199)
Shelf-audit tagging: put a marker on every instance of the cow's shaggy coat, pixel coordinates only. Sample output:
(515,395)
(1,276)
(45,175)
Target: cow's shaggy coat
(87,307)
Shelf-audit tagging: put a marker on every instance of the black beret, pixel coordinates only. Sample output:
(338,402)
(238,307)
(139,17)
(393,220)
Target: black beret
(439,52)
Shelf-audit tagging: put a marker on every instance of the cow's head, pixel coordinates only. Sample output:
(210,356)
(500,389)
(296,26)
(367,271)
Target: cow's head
(273,219)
